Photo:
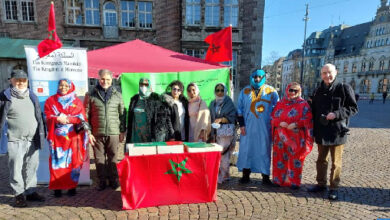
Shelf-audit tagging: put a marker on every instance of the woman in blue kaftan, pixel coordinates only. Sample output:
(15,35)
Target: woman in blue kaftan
(255,105)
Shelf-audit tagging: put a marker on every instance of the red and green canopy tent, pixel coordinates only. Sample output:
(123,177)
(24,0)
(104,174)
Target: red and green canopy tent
(136,59)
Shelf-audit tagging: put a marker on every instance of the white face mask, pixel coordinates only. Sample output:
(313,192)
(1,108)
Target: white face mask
(143,89)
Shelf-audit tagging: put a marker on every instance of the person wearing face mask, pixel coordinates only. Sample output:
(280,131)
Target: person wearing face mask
(292,138)
(200,121)
(21,115)
(255,105)
(178,110)
(148,118)
(332,105)
(106,114)
(223,115)
(68,145)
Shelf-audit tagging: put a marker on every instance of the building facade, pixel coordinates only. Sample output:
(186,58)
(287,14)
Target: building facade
(291,69)
(274,74)
(178,25)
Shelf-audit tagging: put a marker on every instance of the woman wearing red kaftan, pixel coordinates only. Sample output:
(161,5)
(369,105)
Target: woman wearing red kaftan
(67,148)
(292,135)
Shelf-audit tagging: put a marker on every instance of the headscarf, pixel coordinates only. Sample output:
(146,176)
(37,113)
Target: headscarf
(196,98)
(218,99)
(288,99)
(67,99)
(148,92)
(260,73)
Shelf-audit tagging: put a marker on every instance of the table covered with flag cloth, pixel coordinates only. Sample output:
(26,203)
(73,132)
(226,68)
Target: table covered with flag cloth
(165,179)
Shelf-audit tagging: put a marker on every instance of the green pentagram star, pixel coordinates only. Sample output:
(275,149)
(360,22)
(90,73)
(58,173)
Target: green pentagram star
(178,169)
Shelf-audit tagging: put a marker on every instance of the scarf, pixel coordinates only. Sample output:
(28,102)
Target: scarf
(104,93)
(19,94)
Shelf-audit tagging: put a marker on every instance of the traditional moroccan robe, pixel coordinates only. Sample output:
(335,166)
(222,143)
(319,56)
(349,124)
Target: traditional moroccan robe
(255,146)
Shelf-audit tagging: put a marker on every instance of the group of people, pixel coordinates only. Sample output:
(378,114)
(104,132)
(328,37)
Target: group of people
(286,127)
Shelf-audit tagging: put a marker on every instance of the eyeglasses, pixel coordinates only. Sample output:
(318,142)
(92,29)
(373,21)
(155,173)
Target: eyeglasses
(176,89)
(219,90)
(293,90)
(144,84)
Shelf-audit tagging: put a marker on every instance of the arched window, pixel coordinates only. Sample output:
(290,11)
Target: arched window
(365,86)
(354,67)
(110,18)
(370,66)
(381,65)
(383,85)
(363,68)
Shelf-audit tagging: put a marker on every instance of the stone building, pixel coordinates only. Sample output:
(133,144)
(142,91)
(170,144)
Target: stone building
(291,69)
(274,73)
(179,25)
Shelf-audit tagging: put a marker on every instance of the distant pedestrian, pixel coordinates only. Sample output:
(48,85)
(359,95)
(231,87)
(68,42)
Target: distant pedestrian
(357,96)
(20,109)
(333,104)
(372,97)
(384,96)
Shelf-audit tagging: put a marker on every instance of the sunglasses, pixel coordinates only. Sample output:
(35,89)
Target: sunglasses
(293,90)
(176,89)
(219,90)
(144,84)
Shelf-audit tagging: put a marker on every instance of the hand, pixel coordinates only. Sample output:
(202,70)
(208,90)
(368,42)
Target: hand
(218,121)
(243,132)
(172,139)
(92,140)
(62,119)
(330,116)
(292,126)
(122,136)
(283,124)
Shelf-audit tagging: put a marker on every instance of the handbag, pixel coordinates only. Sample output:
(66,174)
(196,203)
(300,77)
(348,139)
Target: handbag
(226,130)
(82,126)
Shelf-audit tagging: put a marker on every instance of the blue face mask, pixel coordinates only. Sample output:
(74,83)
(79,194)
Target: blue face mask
(261,74)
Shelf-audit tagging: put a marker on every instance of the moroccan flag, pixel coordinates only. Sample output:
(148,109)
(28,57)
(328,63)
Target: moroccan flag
(166,179)
(53,42)
(220,48)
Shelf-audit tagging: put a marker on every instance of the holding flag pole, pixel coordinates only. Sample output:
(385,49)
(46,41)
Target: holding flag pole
(53,42)
(220,49)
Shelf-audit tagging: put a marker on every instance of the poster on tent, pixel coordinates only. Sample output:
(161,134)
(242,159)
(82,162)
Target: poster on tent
(44,74)
(205,79)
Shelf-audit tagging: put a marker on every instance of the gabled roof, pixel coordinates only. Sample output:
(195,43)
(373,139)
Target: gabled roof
(138,56)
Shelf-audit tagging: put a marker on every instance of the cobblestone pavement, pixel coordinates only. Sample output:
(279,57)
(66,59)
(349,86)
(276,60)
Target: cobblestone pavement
(365,191)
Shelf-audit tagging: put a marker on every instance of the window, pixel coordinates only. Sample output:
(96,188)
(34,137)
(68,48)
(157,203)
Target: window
(109,14)
(92,14)
(354,68)
(381,65)
(230,14)
(195,53)
(365,86)
(74,12)
(128,13)
(145,14)
(345,68)
(212,13)
(363,67)
(25,9)
(193,12)
(234,69)
(370,66)
(383,85)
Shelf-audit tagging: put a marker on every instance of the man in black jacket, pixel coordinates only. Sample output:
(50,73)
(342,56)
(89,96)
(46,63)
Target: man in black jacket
(332,105)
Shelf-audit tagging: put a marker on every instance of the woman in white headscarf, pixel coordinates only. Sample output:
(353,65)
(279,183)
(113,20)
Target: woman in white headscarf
(224,116)
(200,121)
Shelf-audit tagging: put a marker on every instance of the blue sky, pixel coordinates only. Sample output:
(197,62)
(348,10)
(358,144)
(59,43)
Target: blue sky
(284,25)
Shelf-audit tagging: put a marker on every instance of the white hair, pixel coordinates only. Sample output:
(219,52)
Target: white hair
(330,66)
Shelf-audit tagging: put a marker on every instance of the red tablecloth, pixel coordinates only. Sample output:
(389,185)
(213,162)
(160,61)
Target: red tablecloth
(166,179)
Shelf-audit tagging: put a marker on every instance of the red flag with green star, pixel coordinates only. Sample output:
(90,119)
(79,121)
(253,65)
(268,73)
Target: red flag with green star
(220,49)
(53,42)
(166,179)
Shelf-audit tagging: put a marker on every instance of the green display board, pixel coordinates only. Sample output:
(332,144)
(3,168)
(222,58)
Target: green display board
(205,79)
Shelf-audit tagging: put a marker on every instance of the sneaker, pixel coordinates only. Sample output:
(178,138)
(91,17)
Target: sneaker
(20,201)
(102,186)
(72,192)
(317,188)
(333,194)
(35,197)
(57,193)
(114,185)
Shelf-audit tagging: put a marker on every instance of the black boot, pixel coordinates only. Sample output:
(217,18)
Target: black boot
(57,193)
(266,181)
(245,176)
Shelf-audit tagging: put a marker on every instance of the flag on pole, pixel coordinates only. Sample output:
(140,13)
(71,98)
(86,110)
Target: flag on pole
(53,42)
(220,48)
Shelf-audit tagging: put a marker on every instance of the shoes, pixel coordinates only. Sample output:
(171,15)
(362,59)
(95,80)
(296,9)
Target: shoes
(333,195)
(57,193)
(266,181)
(72,192)
(114,185)
(102,186)
(294,187)
(317,188)
(245,176)
(20,201)
(35,197)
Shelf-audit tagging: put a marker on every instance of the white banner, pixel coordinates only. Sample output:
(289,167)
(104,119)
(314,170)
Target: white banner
(44,74)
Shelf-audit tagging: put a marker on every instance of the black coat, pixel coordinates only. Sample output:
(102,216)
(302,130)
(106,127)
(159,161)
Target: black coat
(158,119)
(175,119)
(5,103)
(339,98)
